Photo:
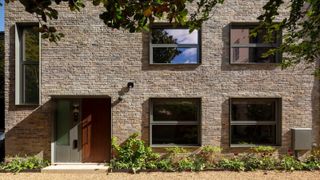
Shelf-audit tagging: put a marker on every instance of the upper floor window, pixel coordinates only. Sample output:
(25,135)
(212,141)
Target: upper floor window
(170,45)
(247,49)
(255,121)
(27,63)
(175,121)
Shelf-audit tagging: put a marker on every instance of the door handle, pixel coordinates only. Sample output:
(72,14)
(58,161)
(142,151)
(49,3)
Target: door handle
(75,144)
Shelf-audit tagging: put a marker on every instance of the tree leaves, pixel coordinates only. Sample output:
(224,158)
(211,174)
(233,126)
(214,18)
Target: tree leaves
(301,41)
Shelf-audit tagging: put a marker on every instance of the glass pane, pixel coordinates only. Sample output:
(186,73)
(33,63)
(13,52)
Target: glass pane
(31,44)
(176,134)
(251,55)
(63,122)
(242,36)
(175,55)
(175,110)
(253,134)
(174,36)
(31,83)
(254,110)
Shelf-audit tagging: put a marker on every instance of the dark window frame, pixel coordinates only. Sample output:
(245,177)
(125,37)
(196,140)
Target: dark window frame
(175,123)
(247,25)
(171,26)
(276,123)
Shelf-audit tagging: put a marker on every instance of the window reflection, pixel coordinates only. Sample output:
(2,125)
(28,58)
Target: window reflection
(175,55)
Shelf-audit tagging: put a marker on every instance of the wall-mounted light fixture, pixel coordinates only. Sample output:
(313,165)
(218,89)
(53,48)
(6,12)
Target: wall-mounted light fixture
(130,84)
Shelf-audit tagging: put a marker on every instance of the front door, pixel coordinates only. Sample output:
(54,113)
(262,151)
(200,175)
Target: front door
(67,147)
(96,130)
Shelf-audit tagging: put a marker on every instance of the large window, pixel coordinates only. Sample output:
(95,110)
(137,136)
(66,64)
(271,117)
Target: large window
(27,64)
(175,122)
(246,49)
(174,45)
(255,121)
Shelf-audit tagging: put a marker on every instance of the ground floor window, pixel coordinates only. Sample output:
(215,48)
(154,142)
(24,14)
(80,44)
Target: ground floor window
(255,121)
(174,121)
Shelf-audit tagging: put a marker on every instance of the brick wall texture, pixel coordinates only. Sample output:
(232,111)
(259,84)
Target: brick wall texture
(93,59)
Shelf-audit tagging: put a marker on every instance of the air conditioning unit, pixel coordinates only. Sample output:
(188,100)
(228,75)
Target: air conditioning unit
(301,138)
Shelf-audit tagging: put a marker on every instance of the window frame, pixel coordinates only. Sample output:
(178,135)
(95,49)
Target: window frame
(276,123)
(20,64)
(170,26)
(175,123)
(248,25)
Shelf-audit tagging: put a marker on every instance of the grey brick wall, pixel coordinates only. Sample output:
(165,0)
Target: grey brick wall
(95,60)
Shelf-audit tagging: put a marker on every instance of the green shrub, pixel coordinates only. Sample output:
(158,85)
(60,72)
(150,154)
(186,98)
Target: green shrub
(199,164)
(209,155)
(264,149)
(133,154)
(185,164)
(253,162)
(18,164)
(313,161)
(289,163)
(260,158)
(232,164)
(165,165)
(175,154)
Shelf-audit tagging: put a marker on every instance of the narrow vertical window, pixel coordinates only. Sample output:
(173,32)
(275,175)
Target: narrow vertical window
(27,64)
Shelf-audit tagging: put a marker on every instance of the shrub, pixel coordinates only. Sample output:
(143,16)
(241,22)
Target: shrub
(175,154)
(263,149)
(313,161)
(290,163)
(232,164)
(133,154)
(185,164)
(18,164)
(260,158)
(209,155)
(165,165)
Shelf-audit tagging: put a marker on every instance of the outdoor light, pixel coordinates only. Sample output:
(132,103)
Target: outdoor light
(130,84)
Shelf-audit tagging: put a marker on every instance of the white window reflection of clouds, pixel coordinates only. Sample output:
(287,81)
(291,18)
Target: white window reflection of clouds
(183,36)
(187,56)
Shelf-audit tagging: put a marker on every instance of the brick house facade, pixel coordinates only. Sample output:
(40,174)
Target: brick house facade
(95,61)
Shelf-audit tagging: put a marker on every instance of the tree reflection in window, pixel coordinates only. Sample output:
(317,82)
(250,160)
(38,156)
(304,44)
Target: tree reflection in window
(174,46)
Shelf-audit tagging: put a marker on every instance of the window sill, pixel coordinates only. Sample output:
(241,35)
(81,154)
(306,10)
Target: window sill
(251,145)
(168,64)
(27,104)
(174,145)
(262,64)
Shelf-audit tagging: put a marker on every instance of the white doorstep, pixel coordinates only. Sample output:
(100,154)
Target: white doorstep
(76,168)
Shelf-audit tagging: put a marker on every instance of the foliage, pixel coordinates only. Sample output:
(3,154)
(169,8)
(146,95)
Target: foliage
(165,165)
(185,164)
(289,163)
(208,154)
(234,164)
(301,42)
(175,154)
(133,154)
(18,164)
(127,14)
(263,149)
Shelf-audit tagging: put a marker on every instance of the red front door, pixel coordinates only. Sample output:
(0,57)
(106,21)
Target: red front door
(96,130)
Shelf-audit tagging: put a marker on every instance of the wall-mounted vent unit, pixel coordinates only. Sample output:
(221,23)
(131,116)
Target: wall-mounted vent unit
(301,138)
